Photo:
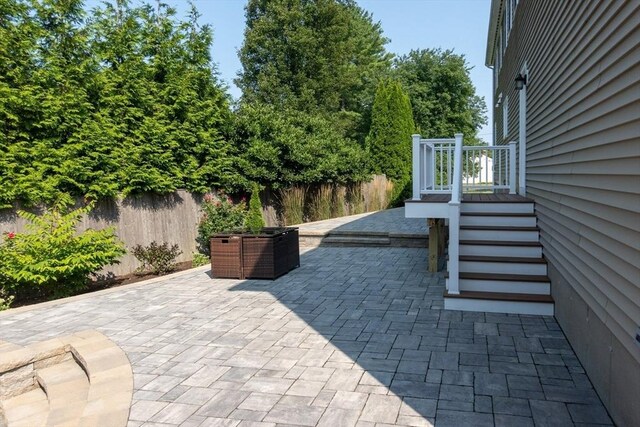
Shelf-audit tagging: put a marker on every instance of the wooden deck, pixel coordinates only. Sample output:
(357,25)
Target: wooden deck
(474,198)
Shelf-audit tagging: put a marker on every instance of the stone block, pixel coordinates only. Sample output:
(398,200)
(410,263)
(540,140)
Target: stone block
(17,381)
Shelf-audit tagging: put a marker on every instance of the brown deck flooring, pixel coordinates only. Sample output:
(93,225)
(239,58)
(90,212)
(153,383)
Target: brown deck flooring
(475,198)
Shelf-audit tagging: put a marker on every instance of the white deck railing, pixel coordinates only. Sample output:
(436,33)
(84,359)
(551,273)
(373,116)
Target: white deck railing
(484,168)
(445,166)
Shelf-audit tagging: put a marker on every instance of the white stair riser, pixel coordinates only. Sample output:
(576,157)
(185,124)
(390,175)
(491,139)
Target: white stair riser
(504,221)
(497,207)
(503,235)
(505,286)
(503,268)
(493,306)
(491,250)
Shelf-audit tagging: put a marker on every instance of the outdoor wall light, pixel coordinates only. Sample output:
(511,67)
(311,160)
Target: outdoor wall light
(520,81)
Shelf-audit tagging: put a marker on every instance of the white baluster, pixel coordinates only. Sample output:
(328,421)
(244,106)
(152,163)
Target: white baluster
(417,170)
(512,167)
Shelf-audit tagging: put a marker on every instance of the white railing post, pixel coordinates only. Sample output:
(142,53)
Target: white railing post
(416,167)
(454,251)
(512,167)
(456,181)
(454,218)
(522,137)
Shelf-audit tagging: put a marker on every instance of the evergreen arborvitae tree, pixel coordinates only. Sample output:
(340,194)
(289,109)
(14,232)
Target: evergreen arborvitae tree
(389,139)
(255,221)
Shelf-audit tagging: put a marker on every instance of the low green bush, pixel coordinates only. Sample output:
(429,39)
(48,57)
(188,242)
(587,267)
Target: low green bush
(219,214)
(199,259)
(5,300)
(156,259)
(52,259)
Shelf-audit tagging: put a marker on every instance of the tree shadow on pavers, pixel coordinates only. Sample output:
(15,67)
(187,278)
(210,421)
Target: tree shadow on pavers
(375,307)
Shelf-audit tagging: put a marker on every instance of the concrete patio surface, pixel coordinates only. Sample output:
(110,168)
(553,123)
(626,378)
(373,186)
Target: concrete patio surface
(355,336)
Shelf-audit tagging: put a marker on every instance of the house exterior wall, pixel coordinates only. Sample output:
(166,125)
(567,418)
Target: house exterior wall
(583,170)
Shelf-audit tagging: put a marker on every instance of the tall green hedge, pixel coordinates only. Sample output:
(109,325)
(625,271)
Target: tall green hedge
(125,101)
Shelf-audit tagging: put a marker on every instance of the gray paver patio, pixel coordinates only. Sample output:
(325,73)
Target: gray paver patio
(390,221)
(355,336)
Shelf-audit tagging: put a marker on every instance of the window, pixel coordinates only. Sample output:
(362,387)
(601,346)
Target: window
(508,17)
(500,51)
(505,117)
(507,22)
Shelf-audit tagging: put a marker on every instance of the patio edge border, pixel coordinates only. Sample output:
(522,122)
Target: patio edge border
(101,292)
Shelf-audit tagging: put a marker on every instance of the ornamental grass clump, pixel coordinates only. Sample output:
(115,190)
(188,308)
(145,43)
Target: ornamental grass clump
(255,221)
(292,200)
(321,203)
(52,259)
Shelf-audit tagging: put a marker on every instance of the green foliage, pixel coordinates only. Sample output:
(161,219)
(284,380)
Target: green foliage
(199,259)
(281,148)
(255,221)
(127,101)
(156,259)
(389,140)
(5,300)
(443,98)
(52,258)
(313,56)
(219,214)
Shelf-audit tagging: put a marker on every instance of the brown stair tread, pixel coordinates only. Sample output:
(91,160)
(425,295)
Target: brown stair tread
(499,243)
(501,259)
(501,296)
(495,198)
(505,214)
(498,228)
(503,277)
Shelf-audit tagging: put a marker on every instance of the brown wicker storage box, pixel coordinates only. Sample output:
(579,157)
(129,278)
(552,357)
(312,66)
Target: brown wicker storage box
(268,255)
(226,257)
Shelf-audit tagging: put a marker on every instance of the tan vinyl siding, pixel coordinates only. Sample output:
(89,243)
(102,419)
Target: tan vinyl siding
(583,151)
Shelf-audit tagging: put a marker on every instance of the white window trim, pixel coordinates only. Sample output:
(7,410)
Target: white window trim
(505,117)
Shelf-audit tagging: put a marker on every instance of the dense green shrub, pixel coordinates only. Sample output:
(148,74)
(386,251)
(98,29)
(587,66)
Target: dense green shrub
(52,258)
(219,214)
(156,259)
(255,221)
(282,148)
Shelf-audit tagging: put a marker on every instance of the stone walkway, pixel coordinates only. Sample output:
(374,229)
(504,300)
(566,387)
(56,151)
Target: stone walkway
(391,221)
(353,337)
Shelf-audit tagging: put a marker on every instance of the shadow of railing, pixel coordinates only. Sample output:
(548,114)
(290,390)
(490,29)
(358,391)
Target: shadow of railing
(378,307)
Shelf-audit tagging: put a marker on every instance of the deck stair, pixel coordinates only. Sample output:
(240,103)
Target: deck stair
(501,266)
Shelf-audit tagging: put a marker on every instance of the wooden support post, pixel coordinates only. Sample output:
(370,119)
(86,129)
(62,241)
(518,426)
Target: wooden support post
(435,231)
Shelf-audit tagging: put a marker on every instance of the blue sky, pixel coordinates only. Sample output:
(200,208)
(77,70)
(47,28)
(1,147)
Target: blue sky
(460,25)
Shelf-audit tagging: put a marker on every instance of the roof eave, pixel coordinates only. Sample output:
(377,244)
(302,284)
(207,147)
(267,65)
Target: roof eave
(492,34)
